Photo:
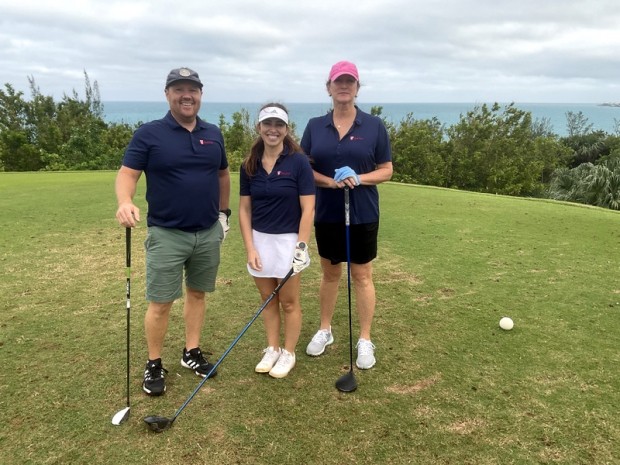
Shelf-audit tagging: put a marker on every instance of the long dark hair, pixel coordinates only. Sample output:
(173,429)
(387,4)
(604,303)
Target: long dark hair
(252,160)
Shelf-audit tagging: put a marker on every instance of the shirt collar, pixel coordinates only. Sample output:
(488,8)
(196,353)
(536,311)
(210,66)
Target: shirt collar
(200,124)
(328,119)
(283,153)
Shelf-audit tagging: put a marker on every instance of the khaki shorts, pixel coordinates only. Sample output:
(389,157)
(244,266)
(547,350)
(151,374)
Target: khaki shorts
(170,252)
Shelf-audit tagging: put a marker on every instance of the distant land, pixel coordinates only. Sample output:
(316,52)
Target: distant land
(610,104)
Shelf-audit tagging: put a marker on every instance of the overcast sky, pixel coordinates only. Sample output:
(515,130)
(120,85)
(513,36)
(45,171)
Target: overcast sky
(254,51)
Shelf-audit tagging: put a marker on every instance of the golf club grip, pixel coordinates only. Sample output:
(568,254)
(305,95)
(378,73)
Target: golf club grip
(347,217)
(279,286)
(128,246)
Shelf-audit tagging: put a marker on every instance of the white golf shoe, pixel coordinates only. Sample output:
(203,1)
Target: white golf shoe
(320,340)
(268,361)
(365,354)
(285,363)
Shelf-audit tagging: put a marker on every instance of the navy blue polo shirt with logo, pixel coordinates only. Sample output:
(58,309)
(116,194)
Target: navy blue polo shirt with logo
(181,168)
(275,196)
(366,145)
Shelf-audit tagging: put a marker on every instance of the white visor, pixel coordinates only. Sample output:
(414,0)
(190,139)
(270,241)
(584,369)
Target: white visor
(272,112)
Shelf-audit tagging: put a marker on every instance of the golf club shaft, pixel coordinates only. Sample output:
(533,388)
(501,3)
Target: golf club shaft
(256,315)
(347,223)
(128,259)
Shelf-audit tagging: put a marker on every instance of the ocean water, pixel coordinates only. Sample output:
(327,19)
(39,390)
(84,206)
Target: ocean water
(601,117)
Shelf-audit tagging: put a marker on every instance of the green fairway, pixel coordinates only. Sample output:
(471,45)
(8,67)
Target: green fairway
(449,387)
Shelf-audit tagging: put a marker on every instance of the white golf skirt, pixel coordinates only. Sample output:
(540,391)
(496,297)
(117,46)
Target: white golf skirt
(276,253)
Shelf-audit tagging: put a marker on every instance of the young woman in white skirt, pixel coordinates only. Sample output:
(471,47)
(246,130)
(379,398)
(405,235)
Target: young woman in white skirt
(276,213)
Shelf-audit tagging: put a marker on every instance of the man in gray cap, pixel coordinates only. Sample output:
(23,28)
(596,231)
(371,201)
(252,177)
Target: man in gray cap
(188,192)
(183,74)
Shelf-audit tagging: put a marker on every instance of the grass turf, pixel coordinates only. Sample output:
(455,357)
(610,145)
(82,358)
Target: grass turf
(449,385)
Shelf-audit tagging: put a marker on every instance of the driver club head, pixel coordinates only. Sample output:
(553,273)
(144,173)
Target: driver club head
(347,382)
(120,416)
(158,424)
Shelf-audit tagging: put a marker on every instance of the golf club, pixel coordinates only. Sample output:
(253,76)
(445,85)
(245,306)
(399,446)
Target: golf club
(158,423)
(123,414)
(347,382)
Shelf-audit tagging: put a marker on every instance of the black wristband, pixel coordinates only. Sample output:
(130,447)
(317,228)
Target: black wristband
(227,212)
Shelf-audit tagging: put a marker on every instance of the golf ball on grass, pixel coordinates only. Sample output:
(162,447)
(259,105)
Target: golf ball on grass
(506,323)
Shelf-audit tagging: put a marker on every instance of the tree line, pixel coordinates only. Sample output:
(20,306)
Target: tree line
(497,149)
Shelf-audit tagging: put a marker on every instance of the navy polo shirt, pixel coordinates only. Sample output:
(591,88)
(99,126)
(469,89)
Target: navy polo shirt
(181,168)
(366,145)
(275,196)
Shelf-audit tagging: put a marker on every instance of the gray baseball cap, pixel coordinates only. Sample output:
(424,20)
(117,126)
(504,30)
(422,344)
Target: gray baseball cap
(183,74)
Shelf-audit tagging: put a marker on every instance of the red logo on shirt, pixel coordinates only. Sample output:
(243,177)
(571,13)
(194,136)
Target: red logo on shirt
(283,173)
(205,142)
(356,138)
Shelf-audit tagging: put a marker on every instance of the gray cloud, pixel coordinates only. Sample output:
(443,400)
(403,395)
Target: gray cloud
(406,50)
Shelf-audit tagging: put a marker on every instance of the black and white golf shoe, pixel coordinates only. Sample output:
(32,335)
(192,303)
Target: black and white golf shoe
(154,383)
(194,360)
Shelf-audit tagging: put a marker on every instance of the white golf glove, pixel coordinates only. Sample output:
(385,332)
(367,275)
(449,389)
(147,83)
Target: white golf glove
(301,259)
(223,219)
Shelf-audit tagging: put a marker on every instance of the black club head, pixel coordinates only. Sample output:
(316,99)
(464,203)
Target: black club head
(158,424)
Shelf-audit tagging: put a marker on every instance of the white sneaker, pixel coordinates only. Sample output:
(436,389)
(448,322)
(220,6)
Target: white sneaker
(365,354)
(320,340)
(268,361)
(285,363)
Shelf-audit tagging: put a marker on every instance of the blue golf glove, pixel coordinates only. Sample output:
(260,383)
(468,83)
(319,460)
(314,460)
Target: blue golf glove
(346,172)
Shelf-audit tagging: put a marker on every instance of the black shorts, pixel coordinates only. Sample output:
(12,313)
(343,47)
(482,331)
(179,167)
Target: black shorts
(331,240)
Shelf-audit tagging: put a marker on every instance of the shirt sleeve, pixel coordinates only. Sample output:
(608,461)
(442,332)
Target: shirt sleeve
(136,154)
(383,153)
(244,182)
(212,132)
(305,181)
(306,143)
(224,160)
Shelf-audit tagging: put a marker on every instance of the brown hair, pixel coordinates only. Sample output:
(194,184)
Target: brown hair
(251,161)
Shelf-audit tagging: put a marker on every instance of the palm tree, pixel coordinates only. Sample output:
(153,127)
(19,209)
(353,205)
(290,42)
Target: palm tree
(588,183)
